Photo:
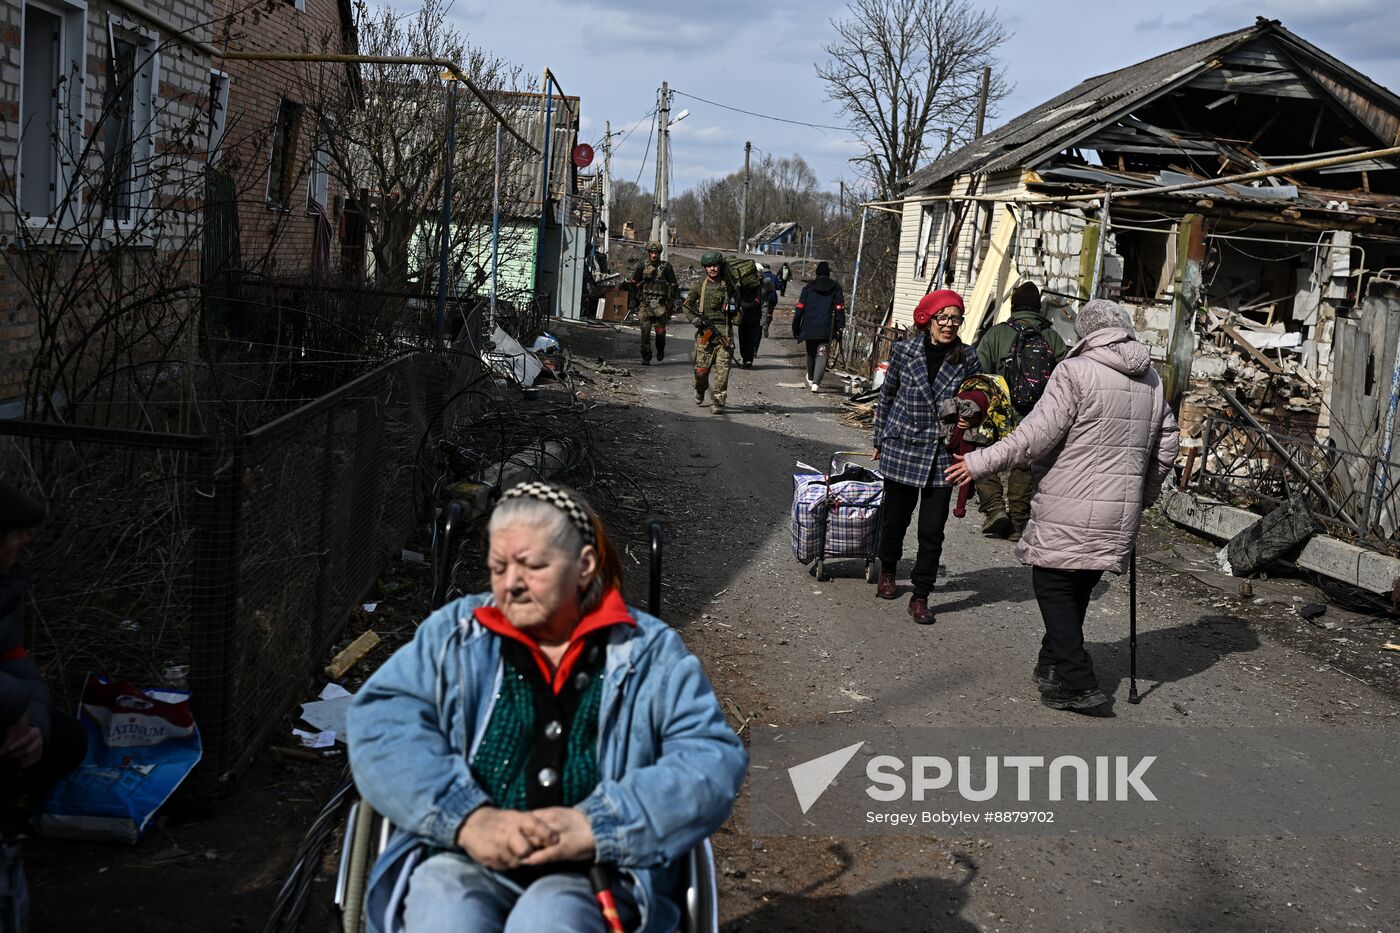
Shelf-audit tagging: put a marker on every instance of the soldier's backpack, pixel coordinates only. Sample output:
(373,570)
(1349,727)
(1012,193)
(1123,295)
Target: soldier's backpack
(1027,366)
(746,279)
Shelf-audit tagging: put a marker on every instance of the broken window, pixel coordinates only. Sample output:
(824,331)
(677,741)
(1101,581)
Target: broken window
(283,170)
(128,115)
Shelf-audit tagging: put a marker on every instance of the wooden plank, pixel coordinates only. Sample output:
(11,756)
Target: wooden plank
(1252,350)
(353,654)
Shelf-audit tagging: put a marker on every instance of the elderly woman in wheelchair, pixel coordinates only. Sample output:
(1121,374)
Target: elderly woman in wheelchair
(531,733)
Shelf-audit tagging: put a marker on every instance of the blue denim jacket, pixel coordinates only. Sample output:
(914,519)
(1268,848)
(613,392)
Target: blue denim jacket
(669,765)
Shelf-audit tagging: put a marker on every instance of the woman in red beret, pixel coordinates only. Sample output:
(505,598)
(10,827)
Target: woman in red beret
(924,370)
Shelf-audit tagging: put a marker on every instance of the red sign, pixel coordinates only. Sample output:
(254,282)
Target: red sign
(583,155)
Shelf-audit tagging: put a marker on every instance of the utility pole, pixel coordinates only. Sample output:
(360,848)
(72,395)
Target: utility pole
(842,202)
(982,98)
(663,144)
(607,189)
(744,203)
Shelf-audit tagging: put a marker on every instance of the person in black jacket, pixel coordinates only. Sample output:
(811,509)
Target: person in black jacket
(38,744)
(819,318)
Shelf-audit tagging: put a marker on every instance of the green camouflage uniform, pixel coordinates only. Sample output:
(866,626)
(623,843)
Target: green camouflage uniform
(711,300)
(654,294)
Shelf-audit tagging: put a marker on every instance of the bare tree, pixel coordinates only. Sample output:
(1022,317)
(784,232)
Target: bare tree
(905,72)
(390,143)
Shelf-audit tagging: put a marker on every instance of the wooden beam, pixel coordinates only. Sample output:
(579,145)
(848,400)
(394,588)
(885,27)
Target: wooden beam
(1181,343)
(1254,352)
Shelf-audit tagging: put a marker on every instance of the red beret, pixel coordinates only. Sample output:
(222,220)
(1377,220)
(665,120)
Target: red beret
(934,302)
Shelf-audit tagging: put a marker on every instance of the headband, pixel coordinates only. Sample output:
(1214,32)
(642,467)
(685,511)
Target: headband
(561,500)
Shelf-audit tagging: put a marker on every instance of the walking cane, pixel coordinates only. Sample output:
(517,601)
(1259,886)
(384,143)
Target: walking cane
(1132,628)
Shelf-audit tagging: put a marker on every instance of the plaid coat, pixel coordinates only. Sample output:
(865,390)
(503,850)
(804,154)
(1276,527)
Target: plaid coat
(906,420)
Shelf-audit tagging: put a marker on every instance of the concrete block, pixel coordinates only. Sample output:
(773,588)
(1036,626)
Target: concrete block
(1331,557)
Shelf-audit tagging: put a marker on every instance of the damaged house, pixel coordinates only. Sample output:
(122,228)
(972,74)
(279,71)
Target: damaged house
(1241,197)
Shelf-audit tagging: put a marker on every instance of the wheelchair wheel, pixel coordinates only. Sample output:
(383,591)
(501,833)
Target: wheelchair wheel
(821,570)
(359,857)
(701,914)
(872,574)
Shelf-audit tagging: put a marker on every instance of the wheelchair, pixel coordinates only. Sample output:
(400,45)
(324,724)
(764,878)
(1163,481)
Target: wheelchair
(367,833)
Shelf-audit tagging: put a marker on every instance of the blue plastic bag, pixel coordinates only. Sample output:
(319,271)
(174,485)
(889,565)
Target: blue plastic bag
(142,744)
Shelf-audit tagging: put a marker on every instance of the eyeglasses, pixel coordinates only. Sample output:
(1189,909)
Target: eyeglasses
(946,321)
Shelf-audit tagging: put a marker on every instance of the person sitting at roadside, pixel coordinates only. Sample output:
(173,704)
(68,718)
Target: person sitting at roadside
(532,731)
(39,745)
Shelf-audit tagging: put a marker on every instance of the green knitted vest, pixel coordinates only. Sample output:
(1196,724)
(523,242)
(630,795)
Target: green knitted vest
(524,707)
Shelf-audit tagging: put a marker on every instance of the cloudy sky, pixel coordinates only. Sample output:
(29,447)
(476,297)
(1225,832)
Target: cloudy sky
(615,53)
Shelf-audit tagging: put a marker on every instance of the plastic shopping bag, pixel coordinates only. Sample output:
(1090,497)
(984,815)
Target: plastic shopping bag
(141,745)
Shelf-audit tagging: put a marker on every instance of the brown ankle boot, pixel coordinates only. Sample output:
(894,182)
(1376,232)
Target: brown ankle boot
(918,608)
(886,588)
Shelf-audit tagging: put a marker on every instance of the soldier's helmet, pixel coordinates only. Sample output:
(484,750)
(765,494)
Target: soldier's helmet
(653,246)
(711,258)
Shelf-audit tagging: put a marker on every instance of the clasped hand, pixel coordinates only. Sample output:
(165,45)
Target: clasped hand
(506,839)
(22,744)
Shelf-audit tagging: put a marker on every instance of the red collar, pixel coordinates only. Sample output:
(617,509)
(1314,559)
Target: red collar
(611,611)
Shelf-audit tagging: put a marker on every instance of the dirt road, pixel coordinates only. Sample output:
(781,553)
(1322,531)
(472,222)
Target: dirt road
(783,650)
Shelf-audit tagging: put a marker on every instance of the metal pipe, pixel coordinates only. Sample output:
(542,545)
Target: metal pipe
(449,157)
(1308,166)
(330,57)
(495,232)
(544,181)
(855,275)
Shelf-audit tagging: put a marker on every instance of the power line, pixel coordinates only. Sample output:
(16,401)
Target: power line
(764,116)
(645,116)
(645,152)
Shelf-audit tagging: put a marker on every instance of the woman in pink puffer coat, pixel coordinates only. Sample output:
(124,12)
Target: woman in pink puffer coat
(1100,440)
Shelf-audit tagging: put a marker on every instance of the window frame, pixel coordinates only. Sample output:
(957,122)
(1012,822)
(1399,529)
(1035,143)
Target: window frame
(68,113)
(218,115)
(142,119)
(280,165)
(318,176)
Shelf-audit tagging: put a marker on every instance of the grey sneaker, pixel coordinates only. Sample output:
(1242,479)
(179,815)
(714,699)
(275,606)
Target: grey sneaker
(717,408)
(699,398)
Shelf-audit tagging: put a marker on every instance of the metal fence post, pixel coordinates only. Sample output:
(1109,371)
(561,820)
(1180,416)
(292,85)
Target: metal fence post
(214,604)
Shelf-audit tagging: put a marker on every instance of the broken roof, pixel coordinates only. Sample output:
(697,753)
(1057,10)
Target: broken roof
(775,231)
(1262,56)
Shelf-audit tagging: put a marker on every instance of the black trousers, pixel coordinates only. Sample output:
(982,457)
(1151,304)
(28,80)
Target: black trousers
(1064,599)
(895,513)
(750,333)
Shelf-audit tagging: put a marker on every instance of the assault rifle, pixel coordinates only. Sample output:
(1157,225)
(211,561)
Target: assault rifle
(707,331)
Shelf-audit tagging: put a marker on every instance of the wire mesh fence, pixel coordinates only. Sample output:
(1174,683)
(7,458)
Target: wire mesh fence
(227,565)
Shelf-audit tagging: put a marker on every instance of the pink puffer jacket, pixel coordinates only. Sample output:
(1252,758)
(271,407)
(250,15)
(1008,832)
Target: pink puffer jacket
(1101,440)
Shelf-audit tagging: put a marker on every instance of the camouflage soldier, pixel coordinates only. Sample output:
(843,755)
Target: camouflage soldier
(654,295)
(711,308)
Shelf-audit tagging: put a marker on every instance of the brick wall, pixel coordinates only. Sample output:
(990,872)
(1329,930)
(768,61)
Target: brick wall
(175,174)
(276,241)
